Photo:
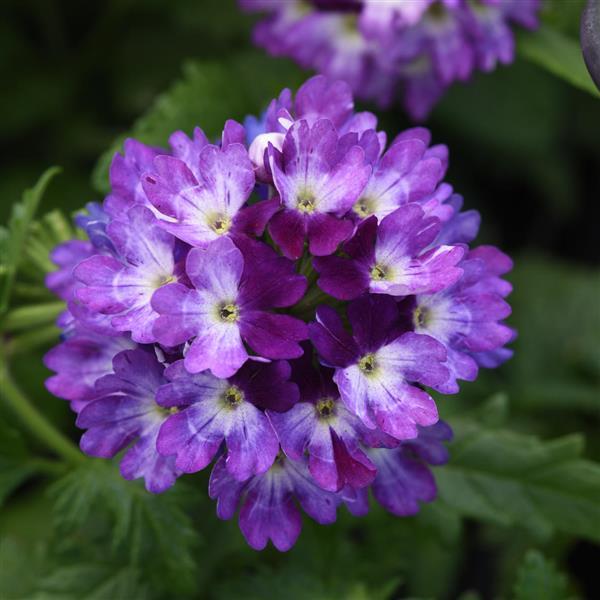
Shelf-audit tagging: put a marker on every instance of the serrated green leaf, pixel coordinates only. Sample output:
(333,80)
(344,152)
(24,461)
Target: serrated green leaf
(539,578)
(558,54)
(13,237)
(92,581)
(518,480)
(152,529)
(207,95)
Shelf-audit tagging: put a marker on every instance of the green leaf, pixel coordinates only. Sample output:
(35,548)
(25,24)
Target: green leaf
(92,581)
(13,468)
(13,237)
(557,353)
(20,568)
(207,95)
(152,529)
(558,54)
(539,578)
(515,479)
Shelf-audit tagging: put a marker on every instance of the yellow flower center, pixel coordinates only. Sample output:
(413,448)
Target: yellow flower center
(420,317)
(164,280)
(220,224)
(379,273)
(306,202)
(325,407)
(364,207)
(229,313)
(367,364)
(233,397)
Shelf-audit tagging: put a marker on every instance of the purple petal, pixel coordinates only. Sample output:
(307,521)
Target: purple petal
(401,482)
(289,229)
(341,278)
(273,335)
(334,344)
(253,219)
(218,268)
(268,280)
(326,233)
(268,386)
(374,321)
(143,461)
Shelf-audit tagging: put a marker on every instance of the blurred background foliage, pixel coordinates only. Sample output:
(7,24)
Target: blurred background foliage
(519,509)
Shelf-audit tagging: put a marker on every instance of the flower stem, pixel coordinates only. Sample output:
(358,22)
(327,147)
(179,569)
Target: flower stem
(35,421)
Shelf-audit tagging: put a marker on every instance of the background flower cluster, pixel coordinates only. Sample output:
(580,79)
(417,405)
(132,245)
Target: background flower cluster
(384,48)
(278,302)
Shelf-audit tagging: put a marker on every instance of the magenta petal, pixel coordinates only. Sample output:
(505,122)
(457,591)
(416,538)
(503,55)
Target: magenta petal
(333,343)
(289,229)
(355,468)
(326,233)
(253,219)
(273,335)
(341,278)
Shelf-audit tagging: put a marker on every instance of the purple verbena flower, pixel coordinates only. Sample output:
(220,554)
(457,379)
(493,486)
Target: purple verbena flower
(377,367)
(392,258)
(467,317)
(235,290)
(202,190)
(317,187)
(409,171)
(188,338)
(269,502)
(229,410)
(122,286)
(126,415)
(403,477)
(79,361)
(322,427)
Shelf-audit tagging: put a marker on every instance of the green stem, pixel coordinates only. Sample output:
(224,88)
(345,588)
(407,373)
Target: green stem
(35,421)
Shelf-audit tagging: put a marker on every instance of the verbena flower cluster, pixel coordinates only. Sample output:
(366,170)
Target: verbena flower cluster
(382,48)
(278,302)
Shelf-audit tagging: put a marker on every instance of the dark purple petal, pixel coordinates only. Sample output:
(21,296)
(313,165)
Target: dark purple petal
(335,345)
(326,233)
(374,321)
(273,335)
(341,278)
(252,220)
(289,229)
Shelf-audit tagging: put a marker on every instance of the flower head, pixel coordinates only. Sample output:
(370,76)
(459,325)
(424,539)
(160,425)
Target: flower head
(207,317)
(415,48)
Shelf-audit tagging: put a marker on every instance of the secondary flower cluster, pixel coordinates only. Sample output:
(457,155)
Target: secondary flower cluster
(278,302)
(383,47)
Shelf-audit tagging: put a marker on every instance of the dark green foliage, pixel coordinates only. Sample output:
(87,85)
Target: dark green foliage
(538,578)
(13,237)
